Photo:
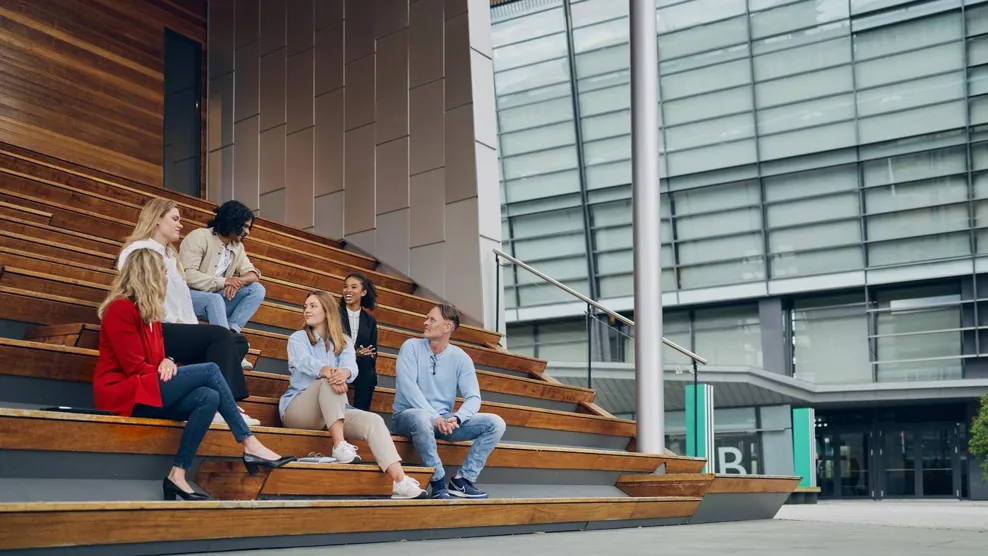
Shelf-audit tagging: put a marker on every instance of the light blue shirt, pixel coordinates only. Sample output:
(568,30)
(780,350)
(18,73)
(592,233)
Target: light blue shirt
(305,361)
(427,381)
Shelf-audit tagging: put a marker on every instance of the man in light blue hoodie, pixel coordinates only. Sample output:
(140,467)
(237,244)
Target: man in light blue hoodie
(429,371)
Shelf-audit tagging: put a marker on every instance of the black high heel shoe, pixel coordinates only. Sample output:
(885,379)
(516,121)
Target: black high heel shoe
(171,491)
(252,462)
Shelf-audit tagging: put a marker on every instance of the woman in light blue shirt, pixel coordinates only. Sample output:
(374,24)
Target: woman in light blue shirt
(322,362)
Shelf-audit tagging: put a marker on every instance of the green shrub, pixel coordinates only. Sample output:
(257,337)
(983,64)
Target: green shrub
(978,446)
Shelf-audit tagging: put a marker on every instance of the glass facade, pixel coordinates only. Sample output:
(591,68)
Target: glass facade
(831,154)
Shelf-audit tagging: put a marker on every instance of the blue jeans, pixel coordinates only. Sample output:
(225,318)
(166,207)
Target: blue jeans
(195,394)
(229,313)
(484,429)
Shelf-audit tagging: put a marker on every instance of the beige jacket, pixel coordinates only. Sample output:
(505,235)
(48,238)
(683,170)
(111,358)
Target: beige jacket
(200,254)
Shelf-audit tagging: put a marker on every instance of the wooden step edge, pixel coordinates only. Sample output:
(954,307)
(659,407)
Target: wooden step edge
(263,222)
(162,423)
(668,477)
(374,274)
(28,344)
(335,276)
(28,210)
(357,468)
(731,484)
(30,239)
(48,507)
(56,260)
(63,231)
(69,208)
(36,295)
(52,277)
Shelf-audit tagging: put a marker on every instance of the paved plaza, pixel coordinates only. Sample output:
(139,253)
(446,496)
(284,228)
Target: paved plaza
(863,528)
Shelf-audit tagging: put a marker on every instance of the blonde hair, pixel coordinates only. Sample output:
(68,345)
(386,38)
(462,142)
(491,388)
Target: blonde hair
(147,223)
(334,327)
(141,280)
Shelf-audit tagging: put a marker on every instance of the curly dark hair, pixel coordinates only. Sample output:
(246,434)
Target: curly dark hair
(369,300)
(231,218)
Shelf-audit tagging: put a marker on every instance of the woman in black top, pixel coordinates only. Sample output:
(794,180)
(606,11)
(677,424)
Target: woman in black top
(358,294)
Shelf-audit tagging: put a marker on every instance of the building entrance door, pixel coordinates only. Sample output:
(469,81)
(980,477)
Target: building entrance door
(921,460)
(845,463)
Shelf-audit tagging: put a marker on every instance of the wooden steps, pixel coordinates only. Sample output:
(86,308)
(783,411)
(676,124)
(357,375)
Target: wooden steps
(149,527)
(24,429)
(26,164)
(114,220)
(24,213)
(71,364)
(724,497)
(396,308)
(80,293)
(228,480)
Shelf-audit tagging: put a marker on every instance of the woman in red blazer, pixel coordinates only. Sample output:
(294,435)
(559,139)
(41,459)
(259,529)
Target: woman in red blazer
(134,378)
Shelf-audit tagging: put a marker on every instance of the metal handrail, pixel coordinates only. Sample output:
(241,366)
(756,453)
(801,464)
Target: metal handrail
(594,304)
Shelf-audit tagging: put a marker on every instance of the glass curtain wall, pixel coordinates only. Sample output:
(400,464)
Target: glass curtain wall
(800,139)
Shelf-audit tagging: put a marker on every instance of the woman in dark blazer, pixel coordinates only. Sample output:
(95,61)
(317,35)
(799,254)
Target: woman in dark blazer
(360,296)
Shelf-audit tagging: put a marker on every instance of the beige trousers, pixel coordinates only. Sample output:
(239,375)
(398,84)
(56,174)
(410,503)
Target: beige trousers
(319,406)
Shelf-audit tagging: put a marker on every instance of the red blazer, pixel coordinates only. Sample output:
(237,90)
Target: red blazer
(129,354)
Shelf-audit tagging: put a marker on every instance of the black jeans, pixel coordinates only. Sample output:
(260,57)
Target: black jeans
(195,394)
(189,344)
(363,386)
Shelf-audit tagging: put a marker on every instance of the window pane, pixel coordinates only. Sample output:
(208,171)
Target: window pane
(707,225)
(533,115)
(730,337)
(531,250)
(914,93)
(814,182)
(538,139)
(805,141)
(812,237)
(803,38)
(698,12)
(706,106)
(830,340)
(912,122)
(788,265)
(607,125)
(812,210)
(710,132)
(919,249)
(532,77)
(603,61)
(720,249)
(546,185)
(799,87)
(917,166)
(592,11)
(700,39)
(600,35)
(909,65)
(917,222)
(605,100)
(908,36)
(539,163)
(530,52)
(711,158)
(806,114)
(718,197)
(721,76)
(799,60)
(797,16)
(519,29)
(889,198)
(557,221)
(607,175)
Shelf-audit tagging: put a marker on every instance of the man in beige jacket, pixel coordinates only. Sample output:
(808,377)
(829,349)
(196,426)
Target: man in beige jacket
(224,284)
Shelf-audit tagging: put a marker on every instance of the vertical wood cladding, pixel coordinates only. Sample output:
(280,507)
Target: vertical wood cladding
(82,80)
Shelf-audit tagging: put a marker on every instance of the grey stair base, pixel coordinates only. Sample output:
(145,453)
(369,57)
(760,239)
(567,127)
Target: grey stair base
(738,506)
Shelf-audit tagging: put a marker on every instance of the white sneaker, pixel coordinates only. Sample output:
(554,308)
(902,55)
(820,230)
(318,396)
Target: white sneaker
(346,453)
(218,419)
(251,422)
(246,365)
(408,489)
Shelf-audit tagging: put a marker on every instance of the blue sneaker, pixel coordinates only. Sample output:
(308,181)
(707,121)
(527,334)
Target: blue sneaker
(462,488)
(438,489)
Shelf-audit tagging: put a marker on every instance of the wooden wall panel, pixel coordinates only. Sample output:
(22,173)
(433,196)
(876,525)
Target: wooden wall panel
(82,80)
